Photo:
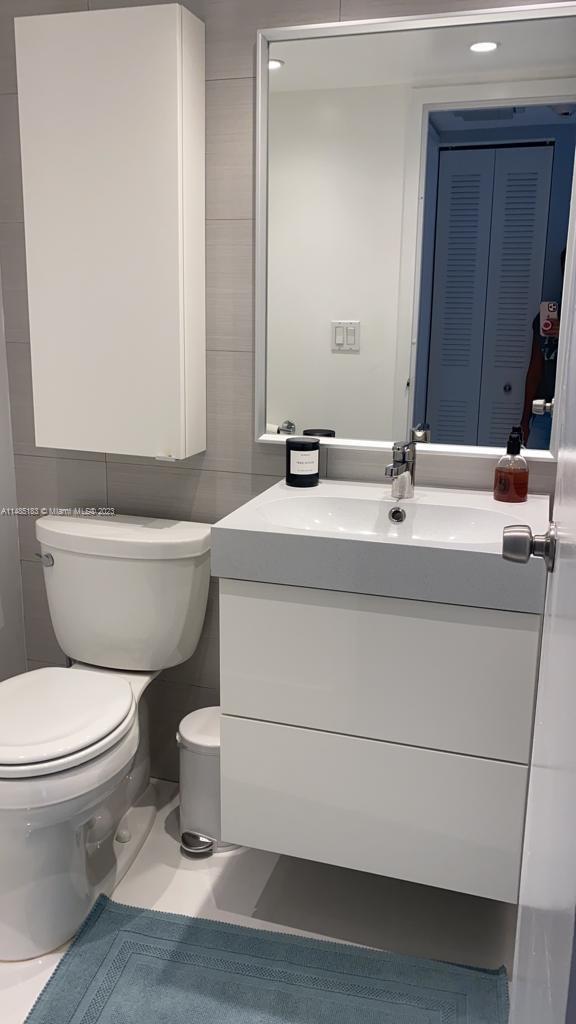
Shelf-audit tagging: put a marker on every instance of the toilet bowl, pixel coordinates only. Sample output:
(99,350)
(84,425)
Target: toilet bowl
(127,598)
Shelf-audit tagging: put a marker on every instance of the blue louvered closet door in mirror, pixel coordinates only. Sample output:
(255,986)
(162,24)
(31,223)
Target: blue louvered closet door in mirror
(491,225)
(522,178)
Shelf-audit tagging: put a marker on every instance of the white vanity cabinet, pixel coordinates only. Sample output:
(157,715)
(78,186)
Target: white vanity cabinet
(381,734)
(378,680)
(112,131)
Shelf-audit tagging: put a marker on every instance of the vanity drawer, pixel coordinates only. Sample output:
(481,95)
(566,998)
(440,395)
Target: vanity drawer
(431,675)
(422,815)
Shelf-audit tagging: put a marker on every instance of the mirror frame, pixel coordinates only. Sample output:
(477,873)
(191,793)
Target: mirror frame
(264,39)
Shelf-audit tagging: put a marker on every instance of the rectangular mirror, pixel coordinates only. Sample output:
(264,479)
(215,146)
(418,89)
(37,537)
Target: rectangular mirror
(413,205)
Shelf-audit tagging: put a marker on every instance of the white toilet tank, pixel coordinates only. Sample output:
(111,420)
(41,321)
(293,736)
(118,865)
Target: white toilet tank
(126,592)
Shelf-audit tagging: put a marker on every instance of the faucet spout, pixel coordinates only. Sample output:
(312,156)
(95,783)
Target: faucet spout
(402,469)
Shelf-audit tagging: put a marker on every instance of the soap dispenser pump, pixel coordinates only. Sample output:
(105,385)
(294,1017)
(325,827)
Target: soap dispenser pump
(511,474)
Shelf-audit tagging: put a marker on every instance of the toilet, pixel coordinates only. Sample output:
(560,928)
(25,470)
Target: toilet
(127,599)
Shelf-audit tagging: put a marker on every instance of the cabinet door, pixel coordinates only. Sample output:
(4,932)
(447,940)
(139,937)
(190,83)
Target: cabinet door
(517,250)
(439,819)
(460,274)
(113,207)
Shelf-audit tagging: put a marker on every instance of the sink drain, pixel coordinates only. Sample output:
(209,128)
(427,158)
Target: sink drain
(397,514)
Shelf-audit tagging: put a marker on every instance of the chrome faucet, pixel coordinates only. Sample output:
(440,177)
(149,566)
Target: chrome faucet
(402,468)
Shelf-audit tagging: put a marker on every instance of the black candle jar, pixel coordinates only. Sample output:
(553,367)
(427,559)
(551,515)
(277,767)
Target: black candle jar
(302,461)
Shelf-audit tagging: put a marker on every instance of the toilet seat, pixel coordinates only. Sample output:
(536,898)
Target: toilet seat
(53,719)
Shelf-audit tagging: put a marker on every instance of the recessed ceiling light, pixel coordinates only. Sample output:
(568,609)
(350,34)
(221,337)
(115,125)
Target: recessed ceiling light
(484,47)
(274,64)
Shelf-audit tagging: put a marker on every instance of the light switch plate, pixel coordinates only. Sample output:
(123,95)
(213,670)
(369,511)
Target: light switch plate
(345,335)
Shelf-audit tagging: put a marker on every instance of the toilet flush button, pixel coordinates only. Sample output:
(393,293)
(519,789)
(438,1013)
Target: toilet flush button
(123,835)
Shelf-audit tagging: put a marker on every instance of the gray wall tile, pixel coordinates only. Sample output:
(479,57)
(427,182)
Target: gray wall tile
(230,396)
(196,6)
(357,465)
(20,383)
(12,255)
(55,483)
(230,285)
(229,149)
(41,644)
(357,10)
(202,669)
(231,28)
(174,493)
(21,448)
(167,706)
(10,210)
(16,327)
(212,620)
(10,169)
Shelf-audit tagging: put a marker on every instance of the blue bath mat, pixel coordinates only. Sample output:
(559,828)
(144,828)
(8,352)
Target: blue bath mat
(132,966)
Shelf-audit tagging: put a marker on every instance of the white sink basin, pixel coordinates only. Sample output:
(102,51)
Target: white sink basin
(341,536)
(425,522)
(434,516)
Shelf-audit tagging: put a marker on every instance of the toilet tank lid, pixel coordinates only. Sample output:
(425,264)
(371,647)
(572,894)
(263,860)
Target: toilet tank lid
(124,536)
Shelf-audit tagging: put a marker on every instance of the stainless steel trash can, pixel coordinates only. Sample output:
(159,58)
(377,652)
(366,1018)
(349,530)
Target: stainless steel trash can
(199,742)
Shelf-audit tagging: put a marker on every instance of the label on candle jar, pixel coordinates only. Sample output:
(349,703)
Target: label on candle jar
(303,463)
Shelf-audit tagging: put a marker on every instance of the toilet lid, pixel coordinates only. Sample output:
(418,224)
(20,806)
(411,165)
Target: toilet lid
(52,713)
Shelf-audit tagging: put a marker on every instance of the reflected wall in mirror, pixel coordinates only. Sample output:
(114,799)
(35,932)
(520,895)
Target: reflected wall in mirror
(418,210)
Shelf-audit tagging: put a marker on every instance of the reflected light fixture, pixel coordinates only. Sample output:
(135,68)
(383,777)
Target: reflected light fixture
(485,47)
(274,64)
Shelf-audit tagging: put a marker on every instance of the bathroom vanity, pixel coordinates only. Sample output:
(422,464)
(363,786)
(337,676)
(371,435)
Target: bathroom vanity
(378,681)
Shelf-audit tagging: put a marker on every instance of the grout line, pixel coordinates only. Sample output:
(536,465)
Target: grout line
(62,458)
(106,483)
(235,78)
(21,594)
(201,469)
(148,465)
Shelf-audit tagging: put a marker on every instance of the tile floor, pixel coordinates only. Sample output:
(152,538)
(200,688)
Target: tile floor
(266,891)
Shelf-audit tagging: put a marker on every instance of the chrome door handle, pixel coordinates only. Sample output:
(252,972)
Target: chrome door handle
(519,544)
(540,406)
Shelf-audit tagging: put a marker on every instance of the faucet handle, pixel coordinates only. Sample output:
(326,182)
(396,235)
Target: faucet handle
(403,451)
(422,433)
(403,455)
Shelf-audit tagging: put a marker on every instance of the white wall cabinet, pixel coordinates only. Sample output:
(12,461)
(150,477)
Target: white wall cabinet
(112,132)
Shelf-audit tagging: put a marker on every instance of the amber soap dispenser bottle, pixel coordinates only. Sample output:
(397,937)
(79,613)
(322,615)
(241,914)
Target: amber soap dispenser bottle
(511,474)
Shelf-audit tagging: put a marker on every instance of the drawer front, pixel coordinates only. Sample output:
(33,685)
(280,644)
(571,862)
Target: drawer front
(432,675)
(426,816)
